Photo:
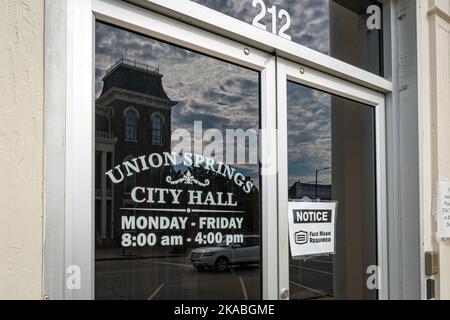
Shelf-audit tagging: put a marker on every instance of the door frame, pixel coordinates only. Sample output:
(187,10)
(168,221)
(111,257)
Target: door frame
(289,71)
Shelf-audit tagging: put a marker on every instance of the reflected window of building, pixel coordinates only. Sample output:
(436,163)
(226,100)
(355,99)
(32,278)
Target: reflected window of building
(131,125)
(110,119)
(156,130)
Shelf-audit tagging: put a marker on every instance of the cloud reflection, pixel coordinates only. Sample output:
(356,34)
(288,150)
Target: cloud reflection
(309,134)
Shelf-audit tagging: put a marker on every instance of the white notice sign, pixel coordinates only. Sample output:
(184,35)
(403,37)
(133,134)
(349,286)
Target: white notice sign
(443,209)
(312,228)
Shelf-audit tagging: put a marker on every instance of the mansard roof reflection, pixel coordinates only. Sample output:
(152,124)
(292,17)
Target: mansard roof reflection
(135,77)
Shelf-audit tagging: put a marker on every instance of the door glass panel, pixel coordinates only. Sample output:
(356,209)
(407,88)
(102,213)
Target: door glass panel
(334,27)
(177,180)
(331,143)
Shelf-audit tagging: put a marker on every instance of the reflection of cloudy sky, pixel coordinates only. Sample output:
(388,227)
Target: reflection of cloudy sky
(221,95)
(310,23)
(309,130)
(224,96)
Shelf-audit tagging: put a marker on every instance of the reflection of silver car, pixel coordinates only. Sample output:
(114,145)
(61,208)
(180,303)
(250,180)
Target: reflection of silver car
(222,255)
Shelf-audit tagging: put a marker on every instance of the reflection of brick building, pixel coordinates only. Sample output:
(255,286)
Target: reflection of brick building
(299,190)
(133,118)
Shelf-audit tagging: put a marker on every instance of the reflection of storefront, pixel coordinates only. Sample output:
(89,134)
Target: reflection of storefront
(177,133)
(132,113)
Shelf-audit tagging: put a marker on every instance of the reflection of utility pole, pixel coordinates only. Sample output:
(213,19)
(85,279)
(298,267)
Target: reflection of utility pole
(317,172)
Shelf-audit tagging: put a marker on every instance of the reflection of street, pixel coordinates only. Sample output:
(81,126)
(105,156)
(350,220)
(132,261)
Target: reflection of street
(173,278)
(311,279)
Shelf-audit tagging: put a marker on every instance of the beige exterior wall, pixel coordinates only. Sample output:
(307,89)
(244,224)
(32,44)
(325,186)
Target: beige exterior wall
(434,115)
(21,148)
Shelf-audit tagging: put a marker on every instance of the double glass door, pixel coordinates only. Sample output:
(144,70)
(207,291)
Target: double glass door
(200,143)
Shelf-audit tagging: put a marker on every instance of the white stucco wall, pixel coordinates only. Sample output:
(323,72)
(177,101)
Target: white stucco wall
(434,115)
(21,148)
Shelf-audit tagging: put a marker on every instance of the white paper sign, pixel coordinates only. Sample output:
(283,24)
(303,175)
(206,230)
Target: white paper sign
(312,228)
(443,209)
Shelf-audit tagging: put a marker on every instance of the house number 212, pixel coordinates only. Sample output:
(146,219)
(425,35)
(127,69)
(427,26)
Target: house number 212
(273,11)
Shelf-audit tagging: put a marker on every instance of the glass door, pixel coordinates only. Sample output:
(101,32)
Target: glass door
(330,151)
(181,196)
(184,148)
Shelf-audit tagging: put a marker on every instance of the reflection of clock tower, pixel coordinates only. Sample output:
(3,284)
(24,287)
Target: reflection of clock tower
(133,118)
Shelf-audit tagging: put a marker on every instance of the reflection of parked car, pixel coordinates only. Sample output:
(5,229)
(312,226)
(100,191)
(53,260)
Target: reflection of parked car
(223,255)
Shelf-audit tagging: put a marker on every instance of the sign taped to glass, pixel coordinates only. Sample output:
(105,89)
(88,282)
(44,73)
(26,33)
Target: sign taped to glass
(312,228)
